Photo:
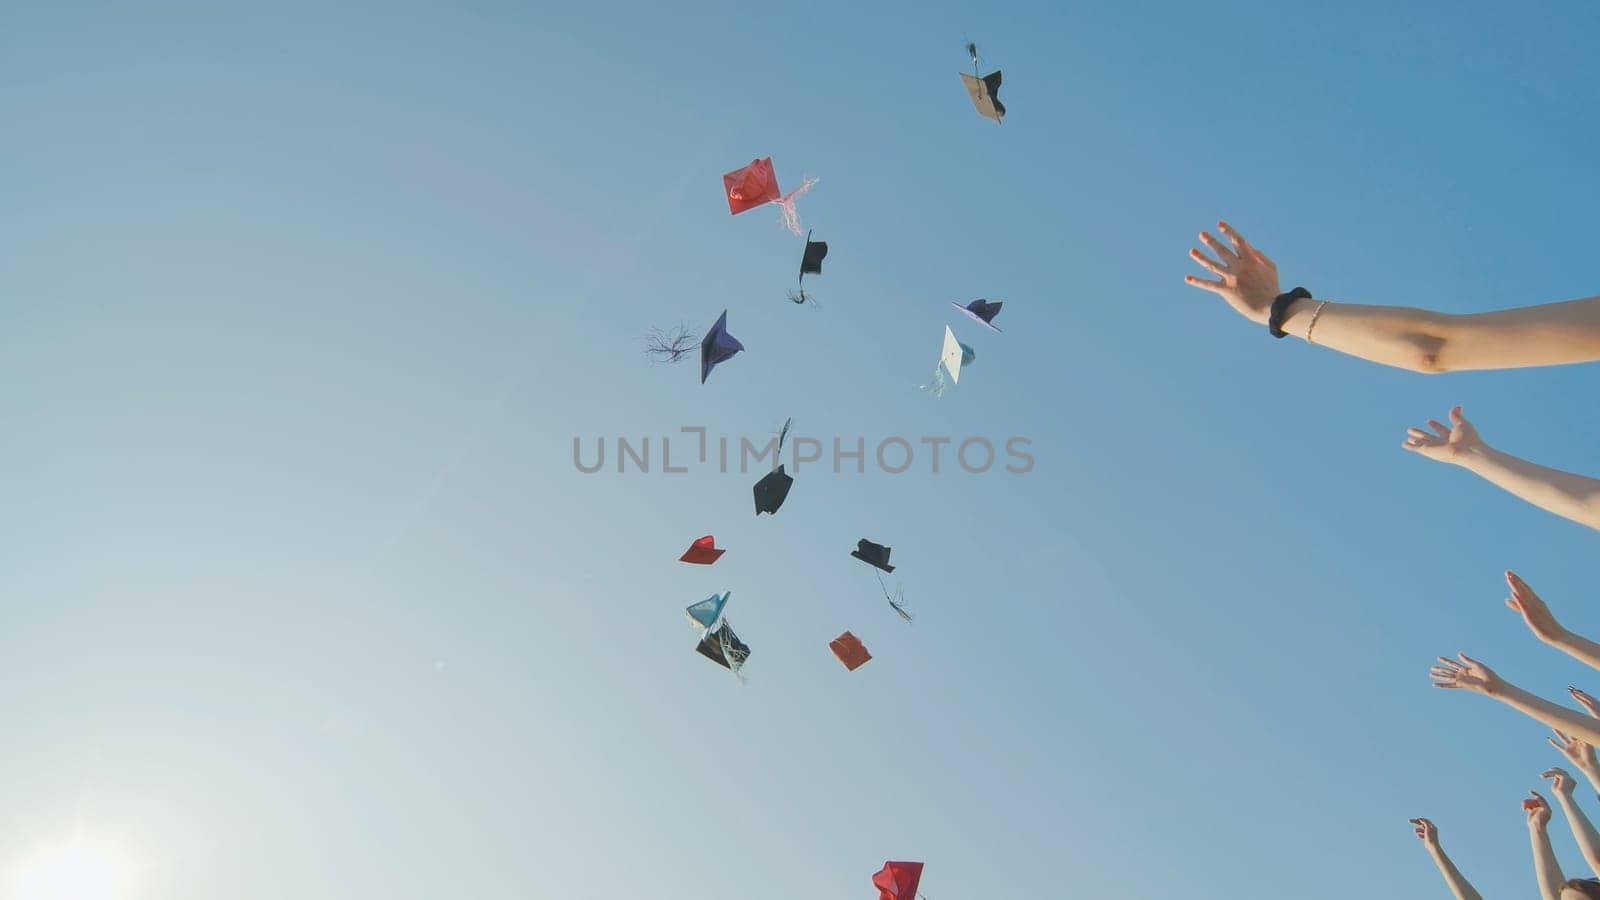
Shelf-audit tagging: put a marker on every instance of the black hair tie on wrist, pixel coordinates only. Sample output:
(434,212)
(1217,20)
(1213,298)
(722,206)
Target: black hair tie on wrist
(1280,310)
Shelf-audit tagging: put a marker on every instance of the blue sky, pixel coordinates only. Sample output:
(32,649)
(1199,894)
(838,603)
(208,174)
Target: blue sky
(305,305)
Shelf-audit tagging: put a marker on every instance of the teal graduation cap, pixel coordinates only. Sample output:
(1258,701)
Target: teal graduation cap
(705,614)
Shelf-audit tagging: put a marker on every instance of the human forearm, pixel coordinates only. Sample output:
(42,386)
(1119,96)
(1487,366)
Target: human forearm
(1577,724)
(1390,335)
(1458,883)
(1575,497)
(1426,341)
(1583,831)
(1545,867)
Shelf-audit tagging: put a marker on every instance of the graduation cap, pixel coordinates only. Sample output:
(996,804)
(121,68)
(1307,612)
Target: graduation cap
(724,648)
(872,554)
(757,185)
(704,551)
(850,651)
(898,880)
(771,490)
(706,613)
(953,357)
(752,186)
(810,264)
(717,346)
(984,90)
(982,312)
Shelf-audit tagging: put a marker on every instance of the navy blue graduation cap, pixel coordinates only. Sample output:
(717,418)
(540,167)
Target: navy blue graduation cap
(982,312)
(717,346)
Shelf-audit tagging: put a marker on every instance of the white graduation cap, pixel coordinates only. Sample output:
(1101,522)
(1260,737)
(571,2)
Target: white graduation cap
(950,356)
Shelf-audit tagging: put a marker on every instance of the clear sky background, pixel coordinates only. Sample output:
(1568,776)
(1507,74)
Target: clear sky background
(303,308)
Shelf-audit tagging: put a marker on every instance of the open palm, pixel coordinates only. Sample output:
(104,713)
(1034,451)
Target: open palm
(1468,674)
(1245,277)
(1451,444)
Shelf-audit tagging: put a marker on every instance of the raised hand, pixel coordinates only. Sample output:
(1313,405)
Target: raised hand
(1468,674)
(1245,277)
(1541,621)
(1453,444)
(1579,753)
(1538,810)
(1589,703)
(1560,782)
(1426,832)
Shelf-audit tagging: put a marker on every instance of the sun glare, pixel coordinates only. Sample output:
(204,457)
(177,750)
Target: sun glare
(74,872)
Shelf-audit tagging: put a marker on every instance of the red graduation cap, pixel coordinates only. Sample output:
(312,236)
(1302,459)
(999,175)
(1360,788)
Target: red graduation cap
(850,651)
(752,186)
(898,880)
(704,551)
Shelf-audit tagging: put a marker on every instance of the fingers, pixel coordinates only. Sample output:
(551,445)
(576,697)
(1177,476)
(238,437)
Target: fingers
(1519,588)
(1205,262)
(1468,660)
(1456,418)
(1239,243)
(1443,432)
(1217,247)
(1214,287)
(1590,704)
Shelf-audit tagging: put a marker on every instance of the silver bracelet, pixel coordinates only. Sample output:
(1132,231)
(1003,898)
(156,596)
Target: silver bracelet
(1313,326)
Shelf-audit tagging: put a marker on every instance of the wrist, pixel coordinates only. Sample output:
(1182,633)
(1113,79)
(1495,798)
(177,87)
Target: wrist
(1282,307)
(1557,637)
(1473,457)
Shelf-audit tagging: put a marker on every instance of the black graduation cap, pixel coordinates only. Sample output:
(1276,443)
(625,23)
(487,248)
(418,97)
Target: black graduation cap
(872,554)
(771,490)
(810,264)
(724,648)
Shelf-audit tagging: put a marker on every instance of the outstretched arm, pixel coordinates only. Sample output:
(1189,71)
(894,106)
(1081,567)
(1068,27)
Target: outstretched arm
(1583,830)
(1542,622)
(1545,867)
(1575,497)
(1458,883)
(1416,339)
(1469,674)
